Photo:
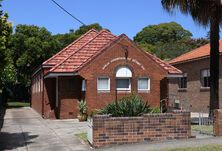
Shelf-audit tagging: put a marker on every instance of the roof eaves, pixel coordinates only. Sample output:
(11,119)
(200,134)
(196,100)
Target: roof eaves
(190,60)
(57,74)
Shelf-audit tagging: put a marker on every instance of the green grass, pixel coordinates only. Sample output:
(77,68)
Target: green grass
(82,136)
(202,148)
(203,128)
(17,104)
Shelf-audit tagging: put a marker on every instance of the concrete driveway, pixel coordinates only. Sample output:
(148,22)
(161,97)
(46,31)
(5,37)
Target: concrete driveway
(25,130)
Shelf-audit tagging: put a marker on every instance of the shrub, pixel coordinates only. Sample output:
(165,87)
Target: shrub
(131,105)
(82,107)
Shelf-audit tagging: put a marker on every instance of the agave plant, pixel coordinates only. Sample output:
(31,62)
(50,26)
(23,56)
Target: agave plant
(82,107)
(131,105)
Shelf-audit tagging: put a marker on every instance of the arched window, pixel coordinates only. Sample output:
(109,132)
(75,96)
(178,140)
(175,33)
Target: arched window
(123,76)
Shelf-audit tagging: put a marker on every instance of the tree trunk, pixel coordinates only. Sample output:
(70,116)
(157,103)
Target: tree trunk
(214,56)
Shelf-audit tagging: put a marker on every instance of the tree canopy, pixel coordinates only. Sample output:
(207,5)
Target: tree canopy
(5,32)
(167,40)
(29,47)
(205,13)
(67,38)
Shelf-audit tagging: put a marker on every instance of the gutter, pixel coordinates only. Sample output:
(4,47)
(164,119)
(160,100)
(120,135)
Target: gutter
(174,75)
(64,74)
(39,68)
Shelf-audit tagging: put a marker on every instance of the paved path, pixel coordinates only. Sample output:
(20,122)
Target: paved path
(25,130)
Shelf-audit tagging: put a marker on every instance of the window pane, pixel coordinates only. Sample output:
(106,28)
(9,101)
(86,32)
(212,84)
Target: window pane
(122,83)
(143,84)
(205,78)
(103,83)
(183,82)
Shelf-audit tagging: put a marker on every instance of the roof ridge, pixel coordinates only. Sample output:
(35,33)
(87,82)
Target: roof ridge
(74,42)
(78,50)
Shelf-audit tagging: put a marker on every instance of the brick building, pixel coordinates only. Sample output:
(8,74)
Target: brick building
(99,68)
(192,91)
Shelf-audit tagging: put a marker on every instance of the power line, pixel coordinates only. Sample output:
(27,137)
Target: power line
(125,48)
(75,18)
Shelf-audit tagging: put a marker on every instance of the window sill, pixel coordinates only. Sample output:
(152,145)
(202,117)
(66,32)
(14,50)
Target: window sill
(204,88)
(182,89)
(143,91)
(103,91)
(123,91)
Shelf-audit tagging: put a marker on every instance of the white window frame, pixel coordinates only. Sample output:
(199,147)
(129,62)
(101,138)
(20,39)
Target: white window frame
(83,85)
(148,84)
(180,81)
(124,89)
(202,77)
(108,89)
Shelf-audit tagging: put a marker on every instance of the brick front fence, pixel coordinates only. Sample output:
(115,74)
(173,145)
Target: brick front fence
(218,122)
(107,130)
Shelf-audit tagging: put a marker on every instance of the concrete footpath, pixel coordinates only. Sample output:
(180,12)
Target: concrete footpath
(24,130)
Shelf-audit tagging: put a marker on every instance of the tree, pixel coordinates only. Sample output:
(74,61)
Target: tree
(165,32)
(67,38)
(205,13)
(5,32)
(166,40)
(30,46)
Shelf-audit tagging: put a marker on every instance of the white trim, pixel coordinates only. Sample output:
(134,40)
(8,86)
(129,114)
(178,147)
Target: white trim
(123,72)
(83,85)
(108,89)
(174,75)
(57,91)
(148,84)
(50,75)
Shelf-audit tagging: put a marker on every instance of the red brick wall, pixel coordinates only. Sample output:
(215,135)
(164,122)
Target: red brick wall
(36,94)
(217,126)
(194,98)
(49,98)
(104,65)
(69,96)
(151,127)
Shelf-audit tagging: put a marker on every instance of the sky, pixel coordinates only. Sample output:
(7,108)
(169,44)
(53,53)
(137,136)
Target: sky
(119,16)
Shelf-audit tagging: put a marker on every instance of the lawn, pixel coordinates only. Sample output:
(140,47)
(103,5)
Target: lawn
(17,104)
(82,136)
(202,148)
(207,129)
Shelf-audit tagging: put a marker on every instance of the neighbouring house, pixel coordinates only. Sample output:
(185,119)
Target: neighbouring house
(192,91)
(99,68)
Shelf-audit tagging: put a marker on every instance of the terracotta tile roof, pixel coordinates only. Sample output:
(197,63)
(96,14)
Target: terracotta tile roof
(199,53)
(86,48)
(74,46)
(166,66)
(85,53)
